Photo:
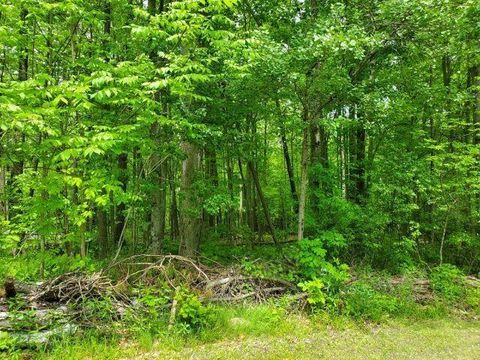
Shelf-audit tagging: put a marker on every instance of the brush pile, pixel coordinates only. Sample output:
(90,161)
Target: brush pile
(151,269)
(77,287)
(213,284)
(235,288)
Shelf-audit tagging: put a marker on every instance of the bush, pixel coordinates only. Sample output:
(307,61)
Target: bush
(472,299)
(191,311)
(322,280)
(314,290)
(448,283)
(310,257)
(7,343)
(151,317)
(364,302)
(99,311)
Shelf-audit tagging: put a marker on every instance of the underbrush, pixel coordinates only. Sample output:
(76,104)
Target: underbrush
(167,307)
(27,267)
(134,336)
(141,335)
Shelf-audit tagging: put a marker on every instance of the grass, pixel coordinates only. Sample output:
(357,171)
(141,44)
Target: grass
(431,340)
(266,332)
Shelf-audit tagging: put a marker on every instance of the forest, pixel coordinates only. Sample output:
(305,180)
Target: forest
(192,172)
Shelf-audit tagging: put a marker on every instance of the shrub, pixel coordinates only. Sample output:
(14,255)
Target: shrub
(99,311)
(322,280)
(314,290)
(6,341)
(472,299)
(448,283)
(191,312)
(364,302)
(310,256)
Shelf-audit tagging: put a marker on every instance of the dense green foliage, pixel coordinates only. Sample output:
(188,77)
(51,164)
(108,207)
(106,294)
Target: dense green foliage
(184,126)
(331,144)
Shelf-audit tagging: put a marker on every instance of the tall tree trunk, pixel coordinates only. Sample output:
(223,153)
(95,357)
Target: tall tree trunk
(159,206)
(288,164)
(122,163)
(357,146)
(261,195)
(122,159)
(158,209)
(83,243)
(303,175)
(230,213)
(244,201)
(249,193)
(319,162)
(102,233)
(212,177)
(23,61)
(152,7)
(352,192)
(191,215)
(475,79)
(69,245)
(447,73)
(361,189)
(174,221)
(107,24)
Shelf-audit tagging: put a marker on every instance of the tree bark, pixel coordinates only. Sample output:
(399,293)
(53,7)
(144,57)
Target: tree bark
(288,164)
(102,233)
(174,221)
(122,162)
(107,24)
(159,207)
(303,176)
(23,61)
(319,162)
(191,215)
(244,201)
(261,195)
(230,213)
(360,173)
(212,177)
(152,7)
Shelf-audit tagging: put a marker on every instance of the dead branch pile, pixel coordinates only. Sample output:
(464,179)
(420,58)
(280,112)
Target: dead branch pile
(214,284)
(173,269)
(77,287)
(238,288)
